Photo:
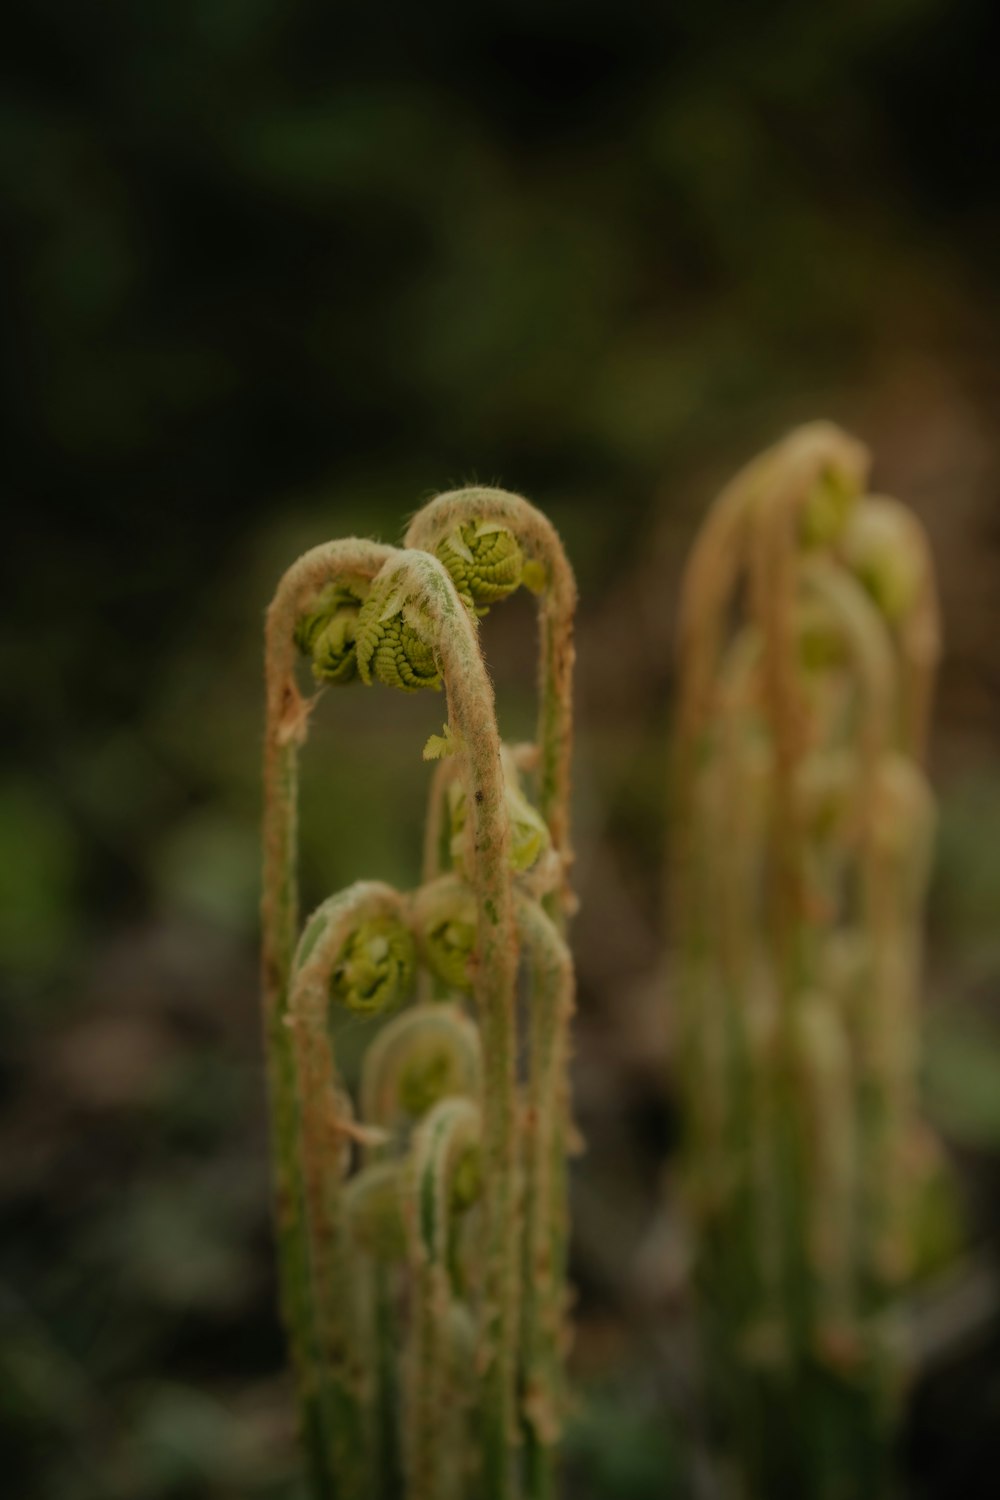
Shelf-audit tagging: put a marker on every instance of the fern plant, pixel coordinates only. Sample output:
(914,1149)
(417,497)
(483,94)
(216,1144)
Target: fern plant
(808,642)
(422,1227)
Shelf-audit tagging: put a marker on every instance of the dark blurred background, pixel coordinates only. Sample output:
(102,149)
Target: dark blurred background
(279,270)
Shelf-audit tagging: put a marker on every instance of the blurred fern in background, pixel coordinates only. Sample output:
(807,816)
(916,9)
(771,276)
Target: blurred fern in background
(809,644)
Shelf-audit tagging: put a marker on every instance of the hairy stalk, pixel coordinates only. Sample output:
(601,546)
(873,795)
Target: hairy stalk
(455,527)
(351,563)
(436,529)
(415,587)
(546,1233)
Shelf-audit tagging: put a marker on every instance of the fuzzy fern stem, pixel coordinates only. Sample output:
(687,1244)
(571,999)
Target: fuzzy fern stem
(352,563)
(546,1213)
(415,587)
(547,573)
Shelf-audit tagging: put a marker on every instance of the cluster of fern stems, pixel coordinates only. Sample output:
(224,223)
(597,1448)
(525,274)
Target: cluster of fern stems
(422,1217)
(422,1221)
(808,643)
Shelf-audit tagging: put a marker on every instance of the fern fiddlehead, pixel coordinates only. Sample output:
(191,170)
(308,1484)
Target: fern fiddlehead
(425,1055)
(503,522)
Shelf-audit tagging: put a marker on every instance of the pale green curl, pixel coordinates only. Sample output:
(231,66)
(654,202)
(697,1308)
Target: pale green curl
(376,968)
(883,549)
(431,1074)
(327,634)
(829,507)
(444,914)
(485,562)
(428,1053)
(374,1210)
(391,645)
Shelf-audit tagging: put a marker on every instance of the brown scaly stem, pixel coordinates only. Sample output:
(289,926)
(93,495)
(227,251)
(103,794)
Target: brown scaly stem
(350,562)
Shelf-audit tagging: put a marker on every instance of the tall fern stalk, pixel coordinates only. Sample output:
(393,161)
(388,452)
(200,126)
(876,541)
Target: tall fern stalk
(808,642)
(403,1246)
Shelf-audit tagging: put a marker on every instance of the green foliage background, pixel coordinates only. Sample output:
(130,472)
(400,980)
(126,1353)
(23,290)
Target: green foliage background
(278,271)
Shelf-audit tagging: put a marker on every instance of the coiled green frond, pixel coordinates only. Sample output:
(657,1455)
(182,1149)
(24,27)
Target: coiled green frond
(327,632)
(375,971)
(444,918)
(485,561)
(393,645)
(427,1054)
(373,1207)
(830,503)
(446,1172)
(374,968)
(883,547)
(548,574)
